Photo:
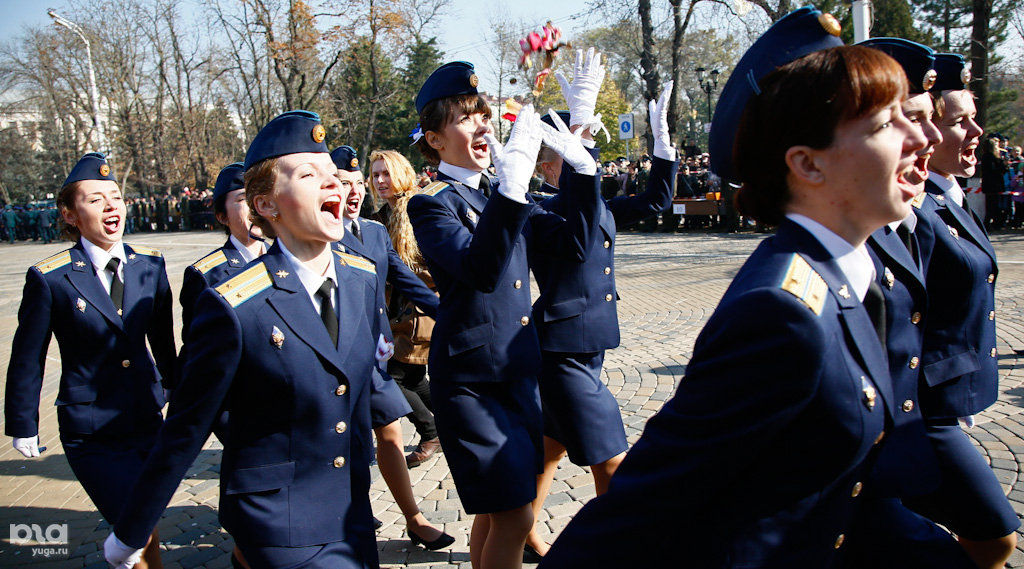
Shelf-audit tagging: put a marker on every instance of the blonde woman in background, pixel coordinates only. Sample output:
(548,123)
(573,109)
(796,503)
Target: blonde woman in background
(393,181)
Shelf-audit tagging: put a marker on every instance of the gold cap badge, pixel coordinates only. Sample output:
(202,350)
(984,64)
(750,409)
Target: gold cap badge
(354,163)
(474,80)
(104,170)
(830,23)
(319,134)
(929,79)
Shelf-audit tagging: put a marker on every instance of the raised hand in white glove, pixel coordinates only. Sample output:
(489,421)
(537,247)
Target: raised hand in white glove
(385,349)
(28,447)
(581,94)
(120,555)
(516,159)
(568,145)
(658,114)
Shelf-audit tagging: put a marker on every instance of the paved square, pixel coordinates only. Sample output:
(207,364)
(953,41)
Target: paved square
(669,285)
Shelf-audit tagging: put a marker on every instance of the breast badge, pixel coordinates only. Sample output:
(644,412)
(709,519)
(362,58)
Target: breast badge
(277,337)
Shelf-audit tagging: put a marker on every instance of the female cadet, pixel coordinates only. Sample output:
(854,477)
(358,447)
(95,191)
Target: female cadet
(393,180)
(369,239)
(958,361)
(102,299)
(484,355)
(287,346)
(576,312)
(757,460)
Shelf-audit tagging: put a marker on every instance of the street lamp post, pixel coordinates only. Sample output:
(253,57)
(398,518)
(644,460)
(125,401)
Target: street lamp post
(101,139)
(708,83)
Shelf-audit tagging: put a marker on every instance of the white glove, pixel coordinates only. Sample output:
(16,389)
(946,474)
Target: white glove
(658,112)
(385,349)
(28,447)
(120,555)
(516,159)
(581,95)
(568,145)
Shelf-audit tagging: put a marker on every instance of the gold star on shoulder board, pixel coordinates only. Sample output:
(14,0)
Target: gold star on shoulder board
(132,256)
(79,263)
(282,273)
(844,291)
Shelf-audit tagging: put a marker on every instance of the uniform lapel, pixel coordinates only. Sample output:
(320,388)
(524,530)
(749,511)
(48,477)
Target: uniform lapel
(134,269)
(964,221)
(356,246)
(473,197)
(83,277)
(893,254)
(352,325)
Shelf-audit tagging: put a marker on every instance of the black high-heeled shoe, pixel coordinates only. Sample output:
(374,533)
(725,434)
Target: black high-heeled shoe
(530,555)
(442,541)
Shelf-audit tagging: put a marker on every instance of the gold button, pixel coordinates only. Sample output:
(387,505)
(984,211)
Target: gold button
(991,314)
(607,244)
(856,489)
(880,437)
(341,427)
(341,390)
(991,278)
(908,406)
(607,270)
(993,352)
(339,462)
(126,363)
(524,320)
(839,541)
(517,284)
(913,362)
(608,298)
(915,318)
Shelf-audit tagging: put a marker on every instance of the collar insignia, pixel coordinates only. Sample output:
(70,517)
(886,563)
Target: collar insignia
(79,263)
(844,291)
(234,261)
(281,274)
(132,256)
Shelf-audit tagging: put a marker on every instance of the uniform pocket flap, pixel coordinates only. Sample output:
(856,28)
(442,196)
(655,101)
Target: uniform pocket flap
(951,367)
(470,338)
(566,309)
(77,394)
(260,478)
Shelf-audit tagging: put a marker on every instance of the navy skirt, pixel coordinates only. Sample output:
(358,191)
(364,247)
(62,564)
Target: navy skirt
(335,555)
(387,402)
(970,500)
(579,411)
(108,468)
(492,438)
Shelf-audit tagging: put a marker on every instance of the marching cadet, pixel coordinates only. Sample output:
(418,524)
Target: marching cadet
(484,356)
(369,239)
(576,314)
(288,347)
(102,299)
(959,365)
(243,245)
(906,464)
(758,459)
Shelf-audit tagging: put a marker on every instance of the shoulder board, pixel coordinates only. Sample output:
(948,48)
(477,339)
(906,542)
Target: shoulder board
(804,283)
(434,188)
(145,250)
(209,262)
(55,262)
(357,262)
(373,221)
(918,200)
(245,285)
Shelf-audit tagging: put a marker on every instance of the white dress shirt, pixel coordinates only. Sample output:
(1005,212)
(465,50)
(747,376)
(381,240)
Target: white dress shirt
(311,280)
(855,263)
(100,258)
(247,256)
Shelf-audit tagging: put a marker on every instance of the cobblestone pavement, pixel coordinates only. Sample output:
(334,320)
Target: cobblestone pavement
(669,286)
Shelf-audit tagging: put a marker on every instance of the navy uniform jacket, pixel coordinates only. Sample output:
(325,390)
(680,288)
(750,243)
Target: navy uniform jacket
(576,309)
(959,365)
(758,459)
(297,470)
(216,266)
(906,464)
(476,253)
(109,384)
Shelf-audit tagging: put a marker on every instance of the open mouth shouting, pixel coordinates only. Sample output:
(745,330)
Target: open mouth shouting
(330,209)
(352,205)
(480,150)
(919,171)
(112,223)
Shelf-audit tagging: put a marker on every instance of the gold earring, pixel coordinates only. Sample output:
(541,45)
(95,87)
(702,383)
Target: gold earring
(276,216)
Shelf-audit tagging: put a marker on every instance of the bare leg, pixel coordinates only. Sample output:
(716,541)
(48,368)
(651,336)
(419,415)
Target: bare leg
(603,472)
(478,538)
(505,540)
(553,453)
(391,461)
(241,558)
(991,553)
(151,554)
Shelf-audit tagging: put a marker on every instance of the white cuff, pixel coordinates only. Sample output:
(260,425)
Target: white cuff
(588,142)
(513,193)
(664,152)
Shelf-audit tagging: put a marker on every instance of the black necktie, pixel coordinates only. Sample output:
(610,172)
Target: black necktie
(116,286)
(327,312)
(874,303)
(355,231)
(485,185)
(910,241)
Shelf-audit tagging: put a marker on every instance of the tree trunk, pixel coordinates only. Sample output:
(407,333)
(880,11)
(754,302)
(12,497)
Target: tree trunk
(647,62)
(982,12)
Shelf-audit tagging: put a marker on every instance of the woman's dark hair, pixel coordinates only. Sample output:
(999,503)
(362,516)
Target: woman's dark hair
(66,202)
(438,113)
(801,104)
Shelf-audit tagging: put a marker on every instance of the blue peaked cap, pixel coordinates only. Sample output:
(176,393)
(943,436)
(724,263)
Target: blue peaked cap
(915,59)
(345,158)
(455,78)
(288,133)
(229,180)
(952,73)
(92,166)
(797,34)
